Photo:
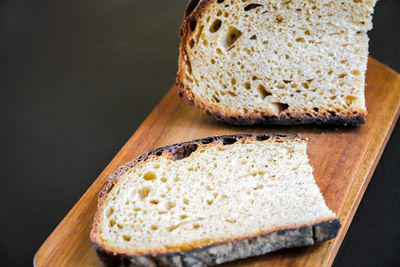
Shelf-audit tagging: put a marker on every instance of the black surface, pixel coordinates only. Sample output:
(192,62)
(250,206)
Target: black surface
(78,77)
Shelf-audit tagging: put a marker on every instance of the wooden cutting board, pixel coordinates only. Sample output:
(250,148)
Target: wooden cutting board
(344,160)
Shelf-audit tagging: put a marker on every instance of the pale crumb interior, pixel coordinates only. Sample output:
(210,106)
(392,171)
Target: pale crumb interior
(217,193)
(274,56)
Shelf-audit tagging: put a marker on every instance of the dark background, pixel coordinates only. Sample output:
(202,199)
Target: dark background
(77,78)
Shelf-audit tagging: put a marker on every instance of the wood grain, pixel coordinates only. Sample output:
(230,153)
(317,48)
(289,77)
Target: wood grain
(344,160)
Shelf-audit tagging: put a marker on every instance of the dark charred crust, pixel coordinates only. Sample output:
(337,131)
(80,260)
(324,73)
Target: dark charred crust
(229,140)
(229,251)
(337,120)
(183,151)
(207,140)
(326,230)
(111,260)
(190,7)
(262,137)
(192,12)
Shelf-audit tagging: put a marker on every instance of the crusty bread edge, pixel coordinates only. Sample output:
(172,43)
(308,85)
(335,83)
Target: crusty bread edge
(194,9)
(327,229)
(229,251)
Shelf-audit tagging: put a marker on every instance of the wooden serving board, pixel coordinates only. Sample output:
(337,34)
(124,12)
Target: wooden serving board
(344,160)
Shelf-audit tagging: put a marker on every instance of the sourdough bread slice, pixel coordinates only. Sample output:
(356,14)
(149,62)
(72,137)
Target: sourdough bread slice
(274,61)
(211,201)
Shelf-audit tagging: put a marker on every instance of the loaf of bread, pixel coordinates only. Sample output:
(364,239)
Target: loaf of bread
(210,201)
(275,61)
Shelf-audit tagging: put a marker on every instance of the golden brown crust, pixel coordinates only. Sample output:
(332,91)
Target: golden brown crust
(175,152)
(193,11)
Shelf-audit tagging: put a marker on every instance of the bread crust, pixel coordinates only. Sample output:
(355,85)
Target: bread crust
(229,251)
(193,254)
(194,9)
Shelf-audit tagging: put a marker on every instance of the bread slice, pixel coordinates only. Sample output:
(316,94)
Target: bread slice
(274,61)
(210,201)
